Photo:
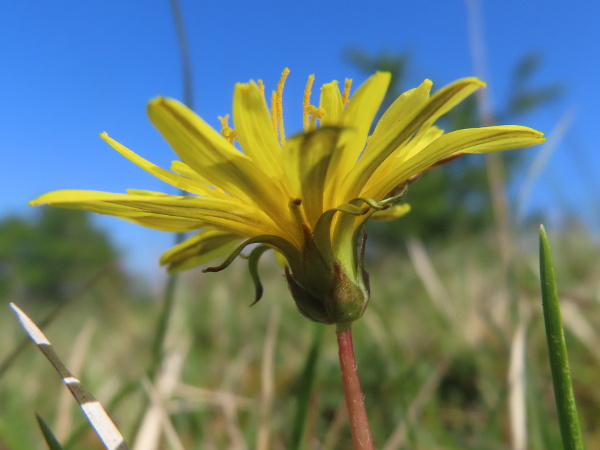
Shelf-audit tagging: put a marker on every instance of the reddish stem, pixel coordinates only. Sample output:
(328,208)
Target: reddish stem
(359,422)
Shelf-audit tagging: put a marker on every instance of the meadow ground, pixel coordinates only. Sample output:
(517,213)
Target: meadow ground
(451,354)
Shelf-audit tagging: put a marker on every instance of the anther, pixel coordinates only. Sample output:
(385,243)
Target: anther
(306,102)
(227,132)
(314,113)
(279,105)
(274,111)
(346,93)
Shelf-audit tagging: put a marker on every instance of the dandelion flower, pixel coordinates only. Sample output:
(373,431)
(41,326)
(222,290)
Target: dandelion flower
(306,196)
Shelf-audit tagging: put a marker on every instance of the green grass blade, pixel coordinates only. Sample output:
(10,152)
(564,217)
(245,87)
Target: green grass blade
(557,349)
(49,437)
(305,387)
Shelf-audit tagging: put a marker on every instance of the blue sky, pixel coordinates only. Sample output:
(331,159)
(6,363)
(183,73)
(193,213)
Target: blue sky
(74,69)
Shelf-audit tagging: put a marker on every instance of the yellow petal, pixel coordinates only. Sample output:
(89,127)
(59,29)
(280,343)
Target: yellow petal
(412,111)
(213,157)
(183,169)
(448,97)
(175,211)
(392,127)
(358,116)
(199,249)
(471,140)
(254,129)
(161,174)
(502,137)
(391,163)
(331,102)
(158,222)
(144,192)
(363,107)
(72,200)
(308,157)
(422,140)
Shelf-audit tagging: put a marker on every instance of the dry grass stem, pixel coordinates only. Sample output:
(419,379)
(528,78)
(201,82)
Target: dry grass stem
(399,436)
(156,419)
(334,432)
(267,381)
(430,279)
(517,389)
(580,326)
(537,166)
(63,423)
(156,422)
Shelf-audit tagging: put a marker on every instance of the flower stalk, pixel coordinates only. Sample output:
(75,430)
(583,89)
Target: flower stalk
(362,437)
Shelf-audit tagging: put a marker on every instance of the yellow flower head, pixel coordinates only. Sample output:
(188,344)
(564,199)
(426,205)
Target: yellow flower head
(307,197)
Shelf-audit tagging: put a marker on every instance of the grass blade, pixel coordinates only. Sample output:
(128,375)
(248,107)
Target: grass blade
(49,437)
(305,387)
(557,349)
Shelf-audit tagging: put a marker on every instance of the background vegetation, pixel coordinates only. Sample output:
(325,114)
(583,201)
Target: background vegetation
(434,352)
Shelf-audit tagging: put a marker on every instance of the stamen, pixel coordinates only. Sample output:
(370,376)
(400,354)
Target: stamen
(273,111)
(279,105)
(306,101)
(314,113)
(227,132)
(297,210)
(346,93)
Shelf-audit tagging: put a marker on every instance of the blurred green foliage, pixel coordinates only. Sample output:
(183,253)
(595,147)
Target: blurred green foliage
(454,200)
(47,257)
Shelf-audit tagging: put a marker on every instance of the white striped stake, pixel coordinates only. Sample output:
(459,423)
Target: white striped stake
(93,410)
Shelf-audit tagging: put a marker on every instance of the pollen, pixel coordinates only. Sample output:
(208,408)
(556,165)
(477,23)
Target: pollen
(227,132)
